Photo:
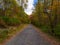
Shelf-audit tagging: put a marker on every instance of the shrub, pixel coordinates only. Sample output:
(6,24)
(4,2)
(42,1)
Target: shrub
(3,35)
(11,21)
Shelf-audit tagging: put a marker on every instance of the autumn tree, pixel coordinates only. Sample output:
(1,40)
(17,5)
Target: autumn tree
(51,11)
(46,15)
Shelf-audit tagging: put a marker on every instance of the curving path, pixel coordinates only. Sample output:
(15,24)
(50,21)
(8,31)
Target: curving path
(29,36)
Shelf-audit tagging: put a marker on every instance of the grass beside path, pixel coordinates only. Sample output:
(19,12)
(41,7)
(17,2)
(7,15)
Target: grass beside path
(7,34)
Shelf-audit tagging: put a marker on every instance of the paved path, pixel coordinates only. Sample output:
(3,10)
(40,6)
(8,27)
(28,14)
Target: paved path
(29,36)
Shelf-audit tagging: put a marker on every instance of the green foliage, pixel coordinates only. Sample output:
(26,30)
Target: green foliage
(57,31)
(13,13)
(3,35)
(47,20)
(11,21)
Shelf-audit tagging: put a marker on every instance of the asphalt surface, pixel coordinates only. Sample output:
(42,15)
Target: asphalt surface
(29,36)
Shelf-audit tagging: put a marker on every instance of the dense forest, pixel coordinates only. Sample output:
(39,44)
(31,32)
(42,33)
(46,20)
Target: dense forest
(11,15)
(47,16)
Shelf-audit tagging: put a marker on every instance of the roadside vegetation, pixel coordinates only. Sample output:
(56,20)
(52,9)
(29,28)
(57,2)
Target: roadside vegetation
(12,19)
(47,17)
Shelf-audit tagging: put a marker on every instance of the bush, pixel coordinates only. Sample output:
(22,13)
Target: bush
(11,21)
(57,31)
(3,35)
(14,21)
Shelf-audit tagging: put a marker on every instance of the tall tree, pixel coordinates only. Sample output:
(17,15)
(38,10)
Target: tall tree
(51,11)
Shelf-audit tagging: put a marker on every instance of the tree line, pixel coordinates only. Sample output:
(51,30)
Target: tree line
(12,19)
(46,15)
(11,14)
